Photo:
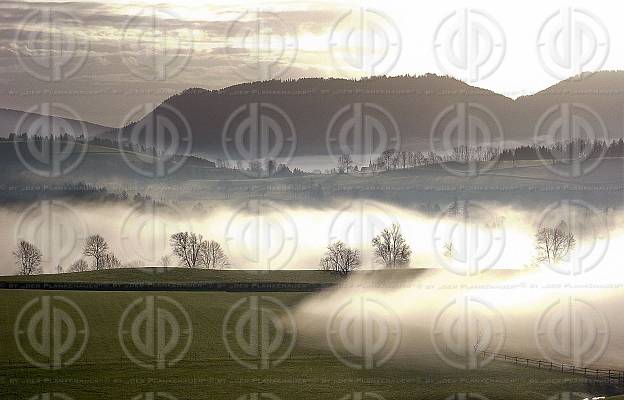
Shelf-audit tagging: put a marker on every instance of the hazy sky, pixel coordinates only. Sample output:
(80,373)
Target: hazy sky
(104,58)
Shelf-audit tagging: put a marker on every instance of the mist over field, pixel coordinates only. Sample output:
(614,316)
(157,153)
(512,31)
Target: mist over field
(537,314)
(262,234)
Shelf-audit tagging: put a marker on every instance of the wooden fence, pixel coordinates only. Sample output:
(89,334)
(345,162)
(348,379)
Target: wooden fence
(609,375)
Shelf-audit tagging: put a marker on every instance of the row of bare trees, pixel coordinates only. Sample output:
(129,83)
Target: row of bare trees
(193,251)
(552,245)
(389,247)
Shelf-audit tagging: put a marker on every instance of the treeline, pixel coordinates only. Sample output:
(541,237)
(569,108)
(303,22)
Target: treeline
(580,149)
(81,191)
(190,249)
(261,169)
(390,248)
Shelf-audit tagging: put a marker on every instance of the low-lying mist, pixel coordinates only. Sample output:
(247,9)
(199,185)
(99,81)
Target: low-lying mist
(465,238)
(440,318)
(481,286)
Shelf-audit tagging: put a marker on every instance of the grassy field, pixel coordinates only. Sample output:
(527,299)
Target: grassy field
(209,371)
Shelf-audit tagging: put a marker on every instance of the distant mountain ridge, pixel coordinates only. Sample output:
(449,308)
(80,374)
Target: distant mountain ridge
(412,111)
(12,121)
(320,108)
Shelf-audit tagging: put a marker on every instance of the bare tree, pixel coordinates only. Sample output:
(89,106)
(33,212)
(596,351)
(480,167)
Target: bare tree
(553,244)
(212,256)
(28,258)
(188,247)
(96,247)
(345,163)
(386,159)
(110,261)
(340,258)
(165,260)
(79,266)
(391,249)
